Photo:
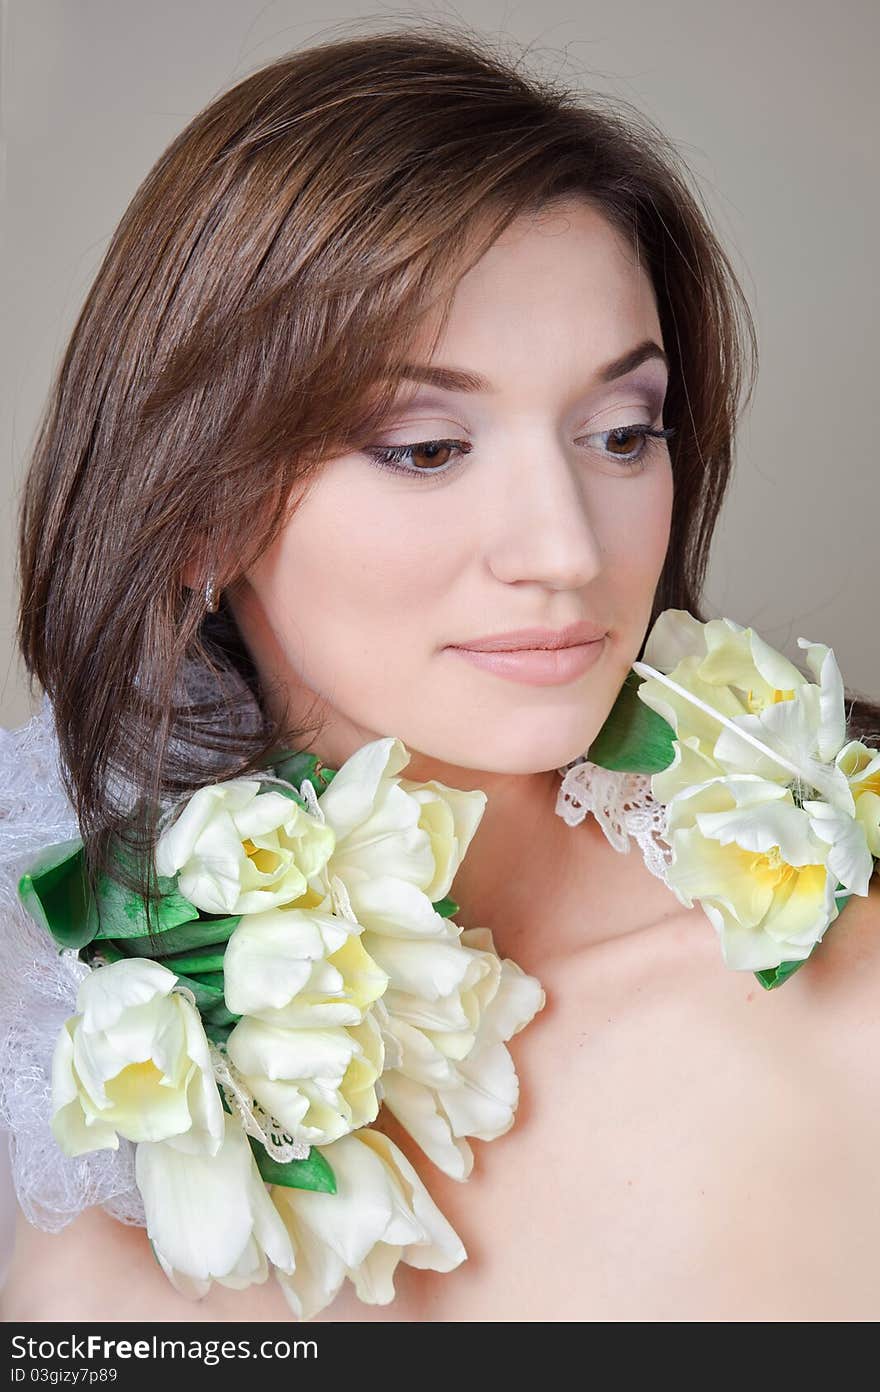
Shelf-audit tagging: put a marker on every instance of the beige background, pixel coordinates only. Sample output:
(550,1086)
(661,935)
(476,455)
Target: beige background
(774,106)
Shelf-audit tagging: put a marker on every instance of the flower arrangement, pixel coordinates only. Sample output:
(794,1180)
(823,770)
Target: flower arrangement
(308,969)
(772,816)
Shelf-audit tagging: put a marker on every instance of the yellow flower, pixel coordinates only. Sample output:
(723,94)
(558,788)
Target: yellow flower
(753,711)
(861,765)
(755,862)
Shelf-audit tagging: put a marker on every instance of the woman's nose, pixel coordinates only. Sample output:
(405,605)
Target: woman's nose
(539,525)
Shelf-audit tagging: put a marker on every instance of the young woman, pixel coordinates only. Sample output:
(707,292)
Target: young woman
(396,350)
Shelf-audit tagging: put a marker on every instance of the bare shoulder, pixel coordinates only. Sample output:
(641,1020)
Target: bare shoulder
(93,1268)
(840,988)
(101,1269)
(848,958)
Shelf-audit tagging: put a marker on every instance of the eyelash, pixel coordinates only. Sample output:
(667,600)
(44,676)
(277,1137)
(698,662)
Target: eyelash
(391,456)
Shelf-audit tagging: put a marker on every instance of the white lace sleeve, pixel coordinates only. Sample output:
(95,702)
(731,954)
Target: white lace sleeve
(38,985)
(622,804)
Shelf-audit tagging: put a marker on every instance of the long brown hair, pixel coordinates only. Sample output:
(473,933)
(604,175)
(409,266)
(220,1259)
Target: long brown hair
(262,285)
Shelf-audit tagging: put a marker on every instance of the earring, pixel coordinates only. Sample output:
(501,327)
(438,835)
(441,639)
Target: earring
(212,601)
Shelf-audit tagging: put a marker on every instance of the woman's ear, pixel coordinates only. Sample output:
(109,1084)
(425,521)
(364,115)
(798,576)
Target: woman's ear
(197,570)
(191,575)
(195,576)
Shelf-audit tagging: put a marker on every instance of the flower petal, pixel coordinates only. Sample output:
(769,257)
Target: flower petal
(420,1111)
(200,1208)
(349,799)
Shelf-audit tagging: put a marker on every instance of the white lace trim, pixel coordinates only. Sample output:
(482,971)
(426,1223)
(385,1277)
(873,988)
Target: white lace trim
(254,1118)
(38,987)
(622,804)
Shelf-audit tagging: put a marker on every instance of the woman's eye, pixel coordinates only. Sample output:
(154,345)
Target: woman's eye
(438,455)
(617,442)
(441,456)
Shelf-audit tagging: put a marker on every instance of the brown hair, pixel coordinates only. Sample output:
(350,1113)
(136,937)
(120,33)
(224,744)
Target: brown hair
(263,282)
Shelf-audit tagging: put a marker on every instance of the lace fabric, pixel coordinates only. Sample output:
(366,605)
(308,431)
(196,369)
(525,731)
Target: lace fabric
(38,987)
(39,981)
(622,804)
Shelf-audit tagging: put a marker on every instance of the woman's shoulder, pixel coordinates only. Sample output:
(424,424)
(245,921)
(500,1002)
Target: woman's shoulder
(101,1269)
(848,957)
(841,985)
(77,1272)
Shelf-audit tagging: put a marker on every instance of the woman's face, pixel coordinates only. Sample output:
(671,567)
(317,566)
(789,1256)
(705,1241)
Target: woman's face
(546,520)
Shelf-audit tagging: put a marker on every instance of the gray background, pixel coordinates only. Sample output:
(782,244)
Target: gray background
(773,107)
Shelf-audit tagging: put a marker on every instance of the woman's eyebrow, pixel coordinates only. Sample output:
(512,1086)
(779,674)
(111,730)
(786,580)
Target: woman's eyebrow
(459,380)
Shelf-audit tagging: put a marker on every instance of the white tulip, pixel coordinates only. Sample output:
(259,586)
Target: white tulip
(239,850)
(134,1062)
(210,1217)
(318,1083)
(453,1076)
(398,844)
(302,968)
(763,869)
(381,1214)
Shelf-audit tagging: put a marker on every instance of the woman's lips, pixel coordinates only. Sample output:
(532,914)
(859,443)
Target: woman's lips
(537,666)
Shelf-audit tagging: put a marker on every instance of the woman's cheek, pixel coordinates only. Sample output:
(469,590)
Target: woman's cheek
(655,517)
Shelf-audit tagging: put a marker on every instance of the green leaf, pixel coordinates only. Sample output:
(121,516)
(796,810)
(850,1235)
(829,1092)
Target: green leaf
(772,977)
(124,913)
(207,996)
(205,978)
(294,767)
(199,961)
(634,738)
(445,907)
(311,1173)
(220,1015)
(215,1032)
(54,891)
(201,932)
